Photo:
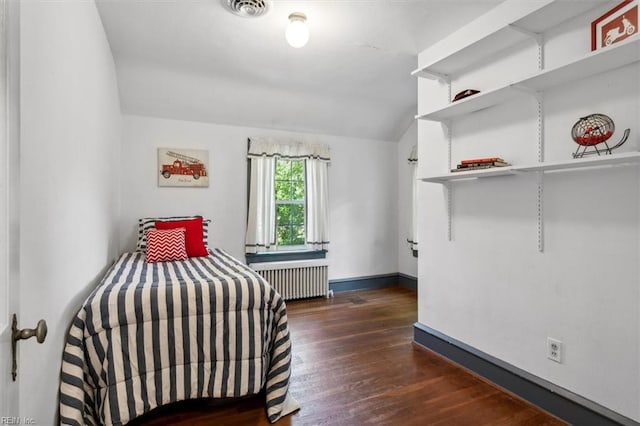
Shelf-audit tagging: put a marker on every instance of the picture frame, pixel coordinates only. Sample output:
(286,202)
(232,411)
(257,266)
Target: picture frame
(616,25)
(183,167)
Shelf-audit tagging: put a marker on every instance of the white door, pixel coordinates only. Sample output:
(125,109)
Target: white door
(9,140)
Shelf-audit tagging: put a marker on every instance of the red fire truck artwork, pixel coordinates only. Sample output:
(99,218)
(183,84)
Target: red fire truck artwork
(183,165)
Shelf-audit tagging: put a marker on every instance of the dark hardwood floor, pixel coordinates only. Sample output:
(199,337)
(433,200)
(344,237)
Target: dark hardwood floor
(354,364)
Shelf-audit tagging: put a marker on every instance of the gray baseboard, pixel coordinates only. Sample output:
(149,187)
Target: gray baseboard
(558,401)
(407,281)
(373,281)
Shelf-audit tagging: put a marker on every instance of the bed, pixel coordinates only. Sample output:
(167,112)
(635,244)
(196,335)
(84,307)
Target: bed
(155,333)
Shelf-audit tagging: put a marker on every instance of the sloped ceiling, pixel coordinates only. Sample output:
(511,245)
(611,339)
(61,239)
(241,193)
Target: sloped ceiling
(193,60)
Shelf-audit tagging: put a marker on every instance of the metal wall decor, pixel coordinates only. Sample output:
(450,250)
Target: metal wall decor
(592,132)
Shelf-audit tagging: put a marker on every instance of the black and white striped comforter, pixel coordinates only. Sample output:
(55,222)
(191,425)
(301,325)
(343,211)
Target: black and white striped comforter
(155,333)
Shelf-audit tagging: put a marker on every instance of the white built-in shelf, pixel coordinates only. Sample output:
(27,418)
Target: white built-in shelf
(600,61)
(622,159)
(471,104)
(495,31)
(508,24)
(450,64)
(473,174)
(608,59)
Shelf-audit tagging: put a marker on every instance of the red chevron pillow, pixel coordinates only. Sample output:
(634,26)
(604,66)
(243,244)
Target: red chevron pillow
(193,235)
(164,245)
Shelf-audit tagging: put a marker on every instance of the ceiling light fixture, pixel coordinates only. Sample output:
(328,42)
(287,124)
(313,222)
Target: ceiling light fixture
(297,32)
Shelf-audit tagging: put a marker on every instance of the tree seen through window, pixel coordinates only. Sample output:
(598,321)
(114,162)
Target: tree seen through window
(290,202)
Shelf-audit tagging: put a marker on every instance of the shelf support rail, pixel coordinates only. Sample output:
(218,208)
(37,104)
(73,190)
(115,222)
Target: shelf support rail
(446,80)
(449,194)
(538,38)
(539,96)
(448,186)
(540,177)
(447,124)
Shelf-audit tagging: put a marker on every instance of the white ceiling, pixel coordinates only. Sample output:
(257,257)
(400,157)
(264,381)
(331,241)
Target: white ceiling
(193,60)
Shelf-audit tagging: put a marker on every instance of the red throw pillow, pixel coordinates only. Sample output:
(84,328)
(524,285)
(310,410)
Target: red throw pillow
(193,236)
(166,245)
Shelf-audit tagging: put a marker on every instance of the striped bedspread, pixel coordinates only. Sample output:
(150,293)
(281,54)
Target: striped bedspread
(155,333)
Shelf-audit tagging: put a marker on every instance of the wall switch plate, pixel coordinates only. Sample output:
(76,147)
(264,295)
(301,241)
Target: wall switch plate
(554,350)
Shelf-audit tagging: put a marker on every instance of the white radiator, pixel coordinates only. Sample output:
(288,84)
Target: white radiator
(296,279)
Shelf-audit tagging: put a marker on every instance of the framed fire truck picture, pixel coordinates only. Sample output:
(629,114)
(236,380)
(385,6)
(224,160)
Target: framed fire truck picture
(183,167)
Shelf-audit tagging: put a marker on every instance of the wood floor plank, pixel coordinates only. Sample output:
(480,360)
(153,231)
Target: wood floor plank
(354,363)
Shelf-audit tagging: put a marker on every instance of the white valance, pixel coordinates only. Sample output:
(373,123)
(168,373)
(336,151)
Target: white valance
(287,148)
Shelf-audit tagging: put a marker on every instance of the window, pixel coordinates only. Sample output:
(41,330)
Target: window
(288,194)
(290,202)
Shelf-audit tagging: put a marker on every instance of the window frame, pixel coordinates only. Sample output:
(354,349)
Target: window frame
(291,247)
(280,253)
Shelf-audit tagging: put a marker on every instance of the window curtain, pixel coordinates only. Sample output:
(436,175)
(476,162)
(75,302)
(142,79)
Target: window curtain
(261,220)
(412,239)
(317,200)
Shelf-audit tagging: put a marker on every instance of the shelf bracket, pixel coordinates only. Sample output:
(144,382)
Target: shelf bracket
(432,75)
(540,177)
(525,31)
(538,38)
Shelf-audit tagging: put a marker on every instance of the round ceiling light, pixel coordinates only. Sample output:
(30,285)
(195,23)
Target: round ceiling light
(297,33)
(247,8)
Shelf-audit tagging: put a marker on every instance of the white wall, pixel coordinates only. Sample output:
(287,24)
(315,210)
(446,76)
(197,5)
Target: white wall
(407,264)
(10,233)
(69,180)
(362,180)
(490,288)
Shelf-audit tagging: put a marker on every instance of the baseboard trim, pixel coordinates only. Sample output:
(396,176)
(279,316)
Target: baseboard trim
(407,281)
(363,283)
(373,281)
(558,401)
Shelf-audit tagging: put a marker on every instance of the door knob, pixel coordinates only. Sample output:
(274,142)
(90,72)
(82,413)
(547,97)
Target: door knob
(40,332)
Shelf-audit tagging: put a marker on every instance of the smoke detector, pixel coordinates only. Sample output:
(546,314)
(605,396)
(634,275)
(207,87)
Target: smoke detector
(247,8)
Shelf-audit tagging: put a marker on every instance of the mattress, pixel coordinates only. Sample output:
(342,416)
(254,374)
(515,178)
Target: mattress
(155,333)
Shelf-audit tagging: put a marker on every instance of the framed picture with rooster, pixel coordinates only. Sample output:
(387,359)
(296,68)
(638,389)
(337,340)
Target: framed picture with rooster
(616,25)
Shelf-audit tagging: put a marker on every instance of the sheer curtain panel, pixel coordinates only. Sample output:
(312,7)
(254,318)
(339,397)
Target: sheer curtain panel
(261,221)
(317,200)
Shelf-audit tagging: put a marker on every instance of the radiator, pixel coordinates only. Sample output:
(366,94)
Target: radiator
(296,279)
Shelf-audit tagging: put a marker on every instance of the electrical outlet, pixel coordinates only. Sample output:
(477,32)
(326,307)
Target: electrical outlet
(554,350)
